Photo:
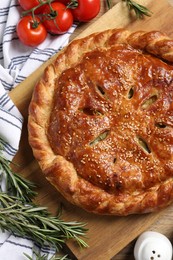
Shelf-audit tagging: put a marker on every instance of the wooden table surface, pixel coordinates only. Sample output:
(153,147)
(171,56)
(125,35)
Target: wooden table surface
(164,224)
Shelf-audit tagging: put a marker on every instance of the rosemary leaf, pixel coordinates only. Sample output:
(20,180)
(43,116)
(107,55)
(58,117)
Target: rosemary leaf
(19,215)
(45,257)
(15,184)
(30,220)
(109,4)
(140,10)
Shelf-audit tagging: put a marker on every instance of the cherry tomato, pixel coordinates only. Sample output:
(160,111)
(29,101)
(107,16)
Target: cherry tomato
(65,2)
(28,4)
(86,10)
(30,32)
(58,20)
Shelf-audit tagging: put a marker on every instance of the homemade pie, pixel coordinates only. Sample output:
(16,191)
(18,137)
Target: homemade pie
(101,122)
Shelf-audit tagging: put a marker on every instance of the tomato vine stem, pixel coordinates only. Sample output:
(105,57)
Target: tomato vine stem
(32,10)
(72,4)
(34,23)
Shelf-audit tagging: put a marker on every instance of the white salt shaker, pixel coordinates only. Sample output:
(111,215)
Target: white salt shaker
(152,245)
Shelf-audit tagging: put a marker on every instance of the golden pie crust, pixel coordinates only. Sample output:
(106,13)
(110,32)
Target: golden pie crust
(101,122)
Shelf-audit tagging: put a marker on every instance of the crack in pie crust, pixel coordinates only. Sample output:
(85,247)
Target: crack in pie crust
(101,122)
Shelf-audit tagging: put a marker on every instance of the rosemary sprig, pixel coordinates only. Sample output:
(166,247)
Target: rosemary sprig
(15,184)
(19,215)
(45,257)
(140,10)
(36,222)
(109,4)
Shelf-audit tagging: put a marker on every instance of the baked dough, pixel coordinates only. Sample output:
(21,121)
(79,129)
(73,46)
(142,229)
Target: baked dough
(101,122)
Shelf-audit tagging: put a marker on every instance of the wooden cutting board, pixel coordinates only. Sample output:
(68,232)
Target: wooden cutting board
(107,235)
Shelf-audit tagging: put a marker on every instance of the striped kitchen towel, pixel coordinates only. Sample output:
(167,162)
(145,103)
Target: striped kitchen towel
(16,63)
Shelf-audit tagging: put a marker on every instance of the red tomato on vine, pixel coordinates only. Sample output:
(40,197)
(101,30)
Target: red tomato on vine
(29,4)
(86,10)
(83,10)
(57,19)
(65,2)
(31,32)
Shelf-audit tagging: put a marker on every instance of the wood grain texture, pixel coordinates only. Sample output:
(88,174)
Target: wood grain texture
(106,235)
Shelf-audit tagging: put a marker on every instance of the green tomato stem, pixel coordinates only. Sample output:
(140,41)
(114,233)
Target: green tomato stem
(32,10)
(72,4)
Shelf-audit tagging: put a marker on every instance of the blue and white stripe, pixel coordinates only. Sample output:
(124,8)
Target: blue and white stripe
(16,63)
(10,243)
